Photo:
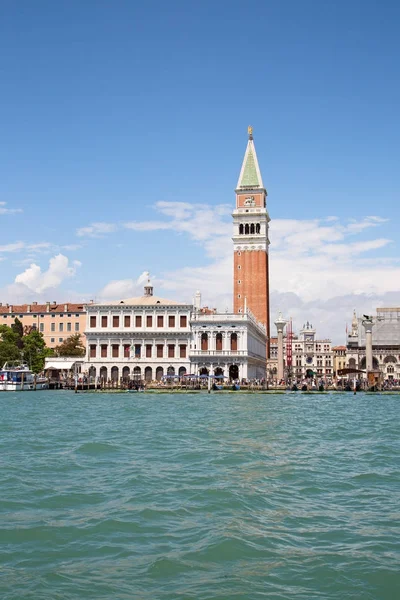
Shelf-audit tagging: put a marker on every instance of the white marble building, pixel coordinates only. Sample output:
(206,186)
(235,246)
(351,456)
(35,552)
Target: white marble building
(142,338)
(147,338)
(310,355)
(385,343)
(232,345)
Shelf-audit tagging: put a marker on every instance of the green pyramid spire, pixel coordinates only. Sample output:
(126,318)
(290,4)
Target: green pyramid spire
(250,175)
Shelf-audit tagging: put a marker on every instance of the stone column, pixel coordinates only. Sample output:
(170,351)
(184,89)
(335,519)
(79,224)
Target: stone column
(280,326)
(368,324)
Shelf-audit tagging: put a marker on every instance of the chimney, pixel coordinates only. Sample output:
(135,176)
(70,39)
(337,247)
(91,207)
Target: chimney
(1,304)
(34,303)
(28,308)
(65,307)
(47,306)
(10,308)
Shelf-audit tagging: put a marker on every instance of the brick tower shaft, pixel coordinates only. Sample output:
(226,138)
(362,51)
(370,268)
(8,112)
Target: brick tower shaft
(250,241)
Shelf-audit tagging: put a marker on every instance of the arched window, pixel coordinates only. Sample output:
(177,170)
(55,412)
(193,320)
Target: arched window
(137,374)
(114,373)
(218,342)
(241,228)
(159,373)
(182,371)
(148,373)
(204,342)
(103,373)
(246,229)
(233,341)
(390,359)
(390,369)
(125,373)
(252,230)
(258,228)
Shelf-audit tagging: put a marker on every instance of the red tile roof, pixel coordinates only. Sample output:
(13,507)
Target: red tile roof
(42,308)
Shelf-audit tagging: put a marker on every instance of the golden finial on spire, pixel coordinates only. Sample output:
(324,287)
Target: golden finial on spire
(250,131)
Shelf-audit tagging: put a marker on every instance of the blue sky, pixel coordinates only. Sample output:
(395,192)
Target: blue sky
(110,108)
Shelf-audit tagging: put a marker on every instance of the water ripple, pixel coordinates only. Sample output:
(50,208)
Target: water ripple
(217,496)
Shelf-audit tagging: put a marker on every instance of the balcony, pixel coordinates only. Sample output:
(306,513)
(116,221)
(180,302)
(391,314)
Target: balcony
(206,353)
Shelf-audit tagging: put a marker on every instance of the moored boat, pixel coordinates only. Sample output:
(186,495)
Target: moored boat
(17,376)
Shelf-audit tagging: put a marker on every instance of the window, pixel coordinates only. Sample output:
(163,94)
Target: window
(148,350)
(149,321)
(76,326)
(53,327)
(239,296)
(21,316)
(69,315)
(218,342)
(171,321)
(61,327)
(160,321)
(60,339)
(171,351)
(239,254)
(239,281)
(239,267)
(92,352)
(183,321)
(52,340)
(104,351)
(69,326)
(160,350)
(77,315)
(234,341)
(127,350)
(127,321)
(115,321)
(41,327)
(42,316)
(93,321)
(104,321)
(61,314)
(204,342)
(138,349)
(138,321)
(115,350)
(182,351)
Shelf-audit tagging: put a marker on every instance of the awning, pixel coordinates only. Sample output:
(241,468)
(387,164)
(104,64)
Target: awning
(61,366)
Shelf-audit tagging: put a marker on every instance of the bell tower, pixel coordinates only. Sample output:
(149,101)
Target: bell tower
(250,240)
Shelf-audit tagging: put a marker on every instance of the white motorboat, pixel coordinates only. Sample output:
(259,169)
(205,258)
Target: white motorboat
(15,377)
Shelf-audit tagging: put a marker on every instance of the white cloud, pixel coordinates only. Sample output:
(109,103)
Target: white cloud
(36,280)
(124,288)
(318,272)
(96,229)
(13,247)
(8,211)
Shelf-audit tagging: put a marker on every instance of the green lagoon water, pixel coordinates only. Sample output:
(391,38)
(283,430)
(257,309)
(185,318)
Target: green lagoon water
(220,496)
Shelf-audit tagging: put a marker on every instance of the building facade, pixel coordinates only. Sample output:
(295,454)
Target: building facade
(250,240)
(339,359)
(228,345)
(56,322)
(143,338)
(311,357)
(385,343)
(149,338)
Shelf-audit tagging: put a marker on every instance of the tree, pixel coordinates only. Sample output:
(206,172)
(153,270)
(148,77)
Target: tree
(35,350)
(18,329)
(72,346)
(9,350)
